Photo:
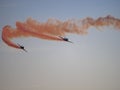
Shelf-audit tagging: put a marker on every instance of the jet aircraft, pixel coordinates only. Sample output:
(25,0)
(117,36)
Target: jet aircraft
(65,39)
(22,47)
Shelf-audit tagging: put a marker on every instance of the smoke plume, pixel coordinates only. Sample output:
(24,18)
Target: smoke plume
(53,28)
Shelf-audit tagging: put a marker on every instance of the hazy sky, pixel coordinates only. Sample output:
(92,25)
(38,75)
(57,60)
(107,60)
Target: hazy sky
(92,62)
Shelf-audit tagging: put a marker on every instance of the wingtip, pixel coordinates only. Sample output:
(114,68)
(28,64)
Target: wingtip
(70,41)
(25,50)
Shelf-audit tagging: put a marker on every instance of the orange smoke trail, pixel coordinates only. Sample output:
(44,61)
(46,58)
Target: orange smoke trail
(57,27)
(22,30)
(54,28)
(9,33)
(30,31)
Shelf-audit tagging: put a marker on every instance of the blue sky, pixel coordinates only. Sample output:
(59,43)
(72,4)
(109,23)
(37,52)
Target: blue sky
(92,62)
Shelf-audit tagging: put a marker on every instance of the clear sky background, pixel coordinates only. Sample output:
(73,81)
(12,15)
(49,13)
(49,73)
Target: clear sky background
(92,62)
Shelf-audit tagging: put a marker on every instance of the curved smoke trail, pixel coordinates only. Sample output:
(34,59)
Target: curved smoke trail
(53,28)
